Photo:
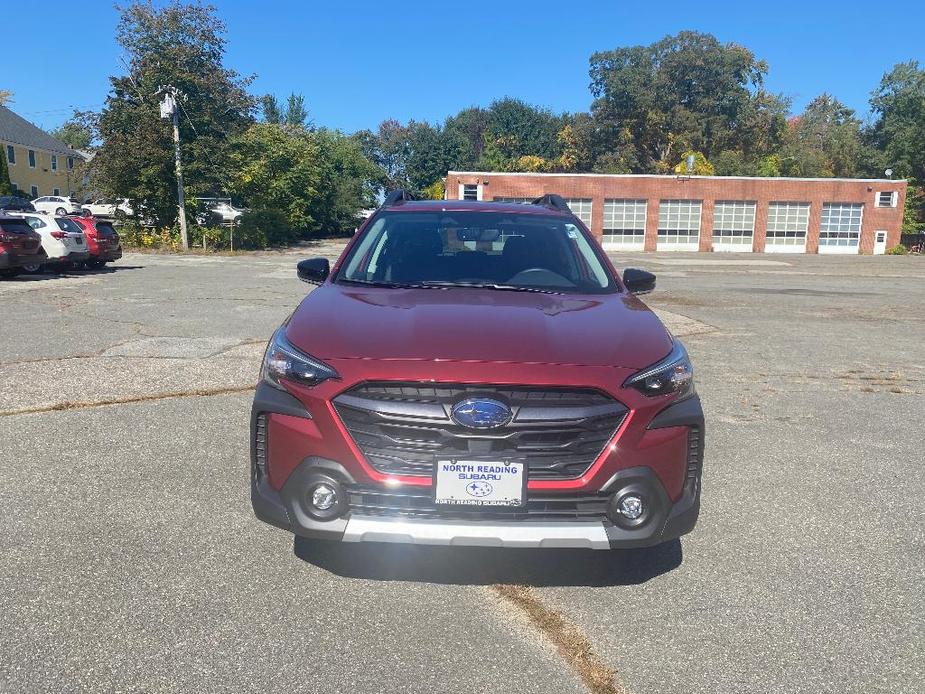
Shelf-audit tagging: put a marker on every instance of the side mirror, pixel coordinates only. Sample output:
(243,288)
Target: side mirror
(638,281)
(313,270)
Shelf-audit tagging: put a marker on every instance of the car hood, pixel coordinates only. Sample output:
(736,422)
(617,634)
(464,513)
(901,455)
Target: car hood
(345,322)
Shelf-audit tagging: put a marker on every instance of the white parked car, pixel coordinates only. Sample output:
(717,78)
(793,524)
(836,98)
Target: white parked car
(107,208)
(226,213)
(56,204)
(63,241)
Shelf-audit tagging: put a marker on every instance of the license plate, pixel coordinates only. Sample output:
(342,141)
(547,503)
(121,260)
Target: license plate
(480,483)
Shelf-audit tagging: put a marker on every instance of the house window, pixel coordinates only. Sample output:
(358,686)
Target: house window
(518,201)
(840,229)
(625,224)
(15,188)
(70,163)
(56,191)
(11,154)
(733,224)
(679,224)
(54,163)
(470,191)
(787,225)
(581,207)
(886,198)
(35,191)
(31,158)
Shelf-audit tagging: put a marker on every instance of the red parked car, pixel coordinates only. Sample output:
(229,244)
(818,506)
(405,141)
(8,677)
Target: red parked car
(19,245)
(476,373)
(102,241)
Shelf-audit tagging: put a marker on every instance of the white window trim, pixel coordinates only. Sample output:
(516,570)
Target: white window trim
(462,190)
(10,148)
(54,162)
(34,159)
(36,193)
(894,198)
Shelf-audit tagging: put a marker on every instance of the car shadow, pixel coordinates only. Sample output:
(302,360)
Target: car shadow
(49,275)
(489,565)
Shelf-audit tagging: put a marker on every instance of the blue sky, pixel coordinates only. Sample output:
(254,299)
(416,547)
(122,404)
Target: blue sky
(358,63)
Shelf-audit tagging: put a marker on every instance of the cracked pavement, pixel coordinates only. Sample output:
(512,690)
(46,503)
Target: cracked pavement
(130,560)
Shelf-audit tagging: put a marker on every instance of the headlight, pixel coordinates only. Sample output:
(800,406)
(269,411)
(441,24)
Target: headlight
(283,360)
(673,374)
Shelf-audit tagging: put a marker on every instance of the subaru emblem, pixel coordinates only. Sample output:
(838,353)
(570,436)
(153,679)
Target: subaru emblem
(481,413)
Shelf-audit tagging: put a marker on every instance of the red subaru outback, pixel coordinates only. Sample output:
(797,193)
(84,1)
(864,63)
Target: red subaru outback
(476,373)
(19,245)
(102,241)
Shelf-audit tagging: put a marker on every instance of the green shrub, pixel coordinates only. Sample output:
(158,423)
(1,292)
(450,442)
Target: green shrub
(262,228)
(898,249)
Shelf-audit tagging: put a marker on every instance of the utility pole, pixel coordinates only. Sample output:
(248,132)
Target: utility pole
(169,109)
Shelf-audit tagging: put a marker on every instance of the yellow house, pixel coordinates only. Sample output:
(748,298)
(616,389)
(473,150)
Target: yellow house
(38,163)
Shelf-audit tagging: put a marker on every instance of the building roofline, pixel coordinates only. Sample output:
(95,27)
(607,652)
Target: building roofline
(16,130)
(682,176)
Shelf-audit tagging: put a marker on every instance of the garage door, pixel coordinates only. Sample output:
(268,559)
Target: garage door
(840,228)
(787,226)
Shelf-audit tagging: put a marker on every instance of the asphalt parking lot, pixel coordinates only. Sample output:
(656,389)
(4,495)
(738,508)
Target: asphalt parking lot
(130,560)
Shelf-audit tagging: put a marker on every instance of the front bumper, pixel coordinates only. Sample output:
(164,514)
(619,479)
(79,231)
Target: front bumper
(286,505)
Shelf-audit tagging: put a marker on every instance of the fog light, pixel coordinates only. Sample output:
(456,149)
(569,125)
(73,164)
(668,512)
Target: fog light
(324,497)
(631,506)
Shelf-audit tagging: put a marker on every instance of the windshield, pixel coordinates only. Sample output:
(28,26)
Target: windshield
(500,250)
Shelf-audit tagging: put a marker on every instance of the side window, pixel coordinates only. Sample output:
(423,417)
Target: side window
(35,222)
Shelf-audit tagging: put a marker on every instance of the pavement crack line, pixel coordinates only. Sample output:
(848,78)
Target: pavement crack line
(571,643)
(61,406)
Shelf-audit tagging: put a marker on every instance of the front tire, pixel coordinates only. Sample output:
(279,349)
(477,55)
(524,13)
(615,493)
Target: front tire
(34,269)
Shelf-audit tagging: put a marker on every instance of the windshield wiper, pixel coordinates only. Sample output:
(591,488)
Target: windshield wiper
(387,285)
(438,284)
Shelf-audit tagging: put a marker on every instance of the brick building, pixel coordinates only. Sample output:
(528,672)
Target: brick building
(712,213)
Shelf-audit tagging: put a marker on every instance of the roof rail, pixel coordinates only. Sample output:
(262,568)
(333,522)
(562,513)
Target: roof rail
(396,197)
(553,201)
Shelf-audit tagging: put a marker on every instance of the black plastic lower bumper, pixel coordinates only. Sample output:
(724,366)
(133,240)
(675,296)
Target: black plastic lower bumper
(288,508)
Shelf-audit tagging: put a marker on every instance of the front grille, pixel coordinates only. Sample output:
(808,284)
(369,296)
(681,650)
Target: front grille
(413,503)
(404,428)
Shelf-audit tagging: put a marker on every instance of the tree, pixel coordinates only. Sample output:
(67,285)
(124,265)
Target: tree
(899,133)
(5,96)
(517,134)
(6,188)
(182,45)
(318,180)
(296,113)
(701,167)
(78,131)
(687,91)
(271,111)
